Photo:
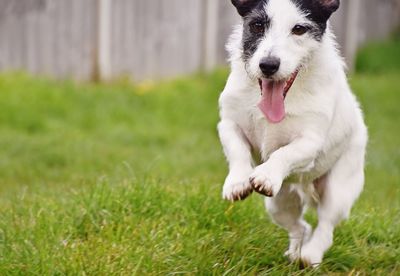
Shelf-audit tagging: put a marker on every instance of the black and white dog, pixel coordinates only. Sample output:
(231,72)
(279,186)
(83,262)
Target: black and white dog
(287,100)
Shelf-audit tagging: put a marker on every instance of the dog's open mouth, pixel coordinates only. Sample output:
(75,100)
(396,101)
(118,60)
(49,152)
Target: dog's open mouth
(273,95)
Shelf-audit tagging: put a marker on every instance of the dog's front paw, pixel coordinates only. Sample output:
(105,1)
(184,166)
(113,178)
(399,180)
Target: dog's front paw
(264,181)
(237,186)
(310,257)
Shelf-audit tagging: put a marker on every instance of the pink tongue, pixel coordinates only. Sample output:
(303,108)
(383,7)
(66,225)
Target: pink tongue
(272,100)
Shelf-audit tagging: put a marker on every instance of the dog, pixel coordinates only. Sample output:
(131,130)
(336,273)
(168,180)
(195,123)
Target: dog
(287,101)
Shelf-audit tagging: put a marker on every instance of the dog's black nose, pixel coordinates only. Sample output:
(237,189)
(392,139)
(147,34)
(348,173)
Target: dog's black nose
(270,65)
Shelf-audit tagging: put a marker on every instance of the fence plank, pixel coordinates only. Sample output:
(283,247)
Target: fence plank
(159,38)
(104,9)
(210,36)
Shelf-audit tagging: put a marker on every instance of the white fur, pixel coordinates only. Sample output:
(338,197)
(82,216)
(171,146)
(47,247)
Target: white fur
(322,140)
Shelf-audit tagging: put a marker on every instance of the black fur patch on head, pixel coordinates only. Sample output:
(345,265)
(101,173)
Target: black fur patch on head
(251,39)
(318,11)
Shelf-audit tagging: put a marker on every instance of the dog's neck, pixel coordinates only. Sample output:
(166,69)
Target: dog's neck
(325,59)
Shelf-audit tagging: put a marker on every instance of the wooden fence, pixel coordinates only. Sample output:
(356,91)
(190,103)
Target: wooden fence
(86,39)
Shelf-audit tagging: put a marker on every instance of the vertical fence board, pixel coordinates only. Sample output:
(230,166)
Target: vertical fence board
(159,38)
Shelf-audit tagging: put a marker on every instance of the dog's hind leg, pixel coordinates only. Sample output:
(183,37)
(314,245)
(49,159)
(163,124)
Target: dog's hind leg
(338,193)
(286,210)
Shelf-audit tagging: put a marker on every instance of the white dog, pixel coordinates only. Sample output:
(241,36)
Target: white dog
(287,101)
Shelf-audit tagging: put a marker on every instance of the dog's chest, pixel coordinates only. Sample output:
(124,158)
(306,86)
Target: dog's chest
(263,136)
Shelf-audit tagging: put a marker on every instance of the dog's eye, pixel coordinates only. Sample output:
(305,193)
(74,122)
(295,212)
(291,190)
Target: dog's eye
(299,30)
(257,27)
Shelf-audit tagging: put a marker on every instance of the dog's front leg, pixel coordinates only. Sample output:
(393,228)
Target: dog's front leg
(238,153)
(298,156)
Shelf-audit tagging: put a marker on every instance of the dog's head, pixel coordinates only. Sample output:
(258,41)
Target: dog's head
(279,36)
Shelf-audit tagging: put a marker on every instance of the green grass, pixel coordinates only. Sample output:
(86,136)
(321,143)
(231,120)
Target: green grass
(380,57)
(126,179)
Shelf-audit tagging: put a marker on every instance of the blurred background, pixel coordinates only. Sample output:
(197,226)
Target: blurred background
(141,39)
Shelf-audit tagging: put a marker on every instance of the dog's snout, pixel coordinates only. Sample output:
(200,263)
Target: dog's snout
(270,65)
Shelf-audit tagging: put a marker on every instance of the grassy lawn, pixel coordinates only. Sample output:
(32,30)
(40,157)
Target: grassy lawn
(126,179)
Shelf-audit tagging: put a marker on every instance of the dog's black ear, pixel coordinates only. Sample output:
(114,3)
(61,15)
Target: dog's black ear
(319,10)
(245,6)
(329,6)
